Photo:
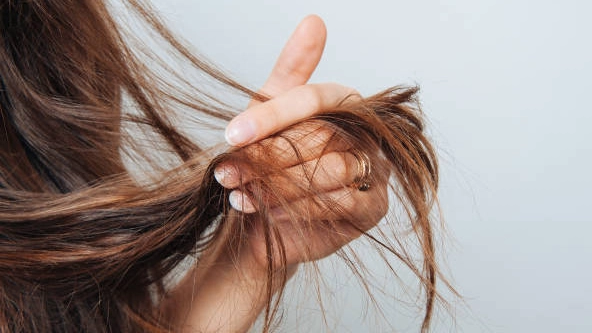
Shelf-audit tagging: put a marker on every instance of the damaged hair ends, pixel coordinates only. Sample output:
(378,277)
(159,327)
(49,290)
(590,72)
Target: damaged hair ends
(86,246)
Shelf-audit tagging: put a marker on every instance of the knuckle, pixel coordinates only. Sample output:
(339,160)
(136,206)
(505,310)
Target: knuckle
(313,97)
(314,131)
(348,92)
(282,147)
(353,92)
(350,95)
(335,165)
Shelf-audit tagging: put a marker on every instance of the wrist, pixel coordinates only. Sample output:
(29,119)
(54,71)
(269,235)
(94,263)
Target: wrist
(250,272)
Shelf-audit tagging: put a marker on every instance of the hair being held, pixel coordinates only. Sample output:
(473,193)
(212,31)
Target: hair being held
(87,241)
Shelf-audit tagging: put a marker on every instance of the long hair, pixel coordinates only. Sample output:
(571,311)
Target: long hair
(85,243)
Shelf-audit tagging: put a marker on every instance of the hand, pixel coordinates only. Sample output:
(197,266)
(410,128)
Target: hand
(335,167)
(221,294)
(289,104)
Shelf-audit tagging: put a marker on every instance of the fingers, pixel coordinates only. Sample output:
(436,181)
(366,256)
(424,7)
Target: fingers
(332,171)
(298,59)
(329,172)
(316,231)
(296,63)
(365,208)
(304,143)
(284,110)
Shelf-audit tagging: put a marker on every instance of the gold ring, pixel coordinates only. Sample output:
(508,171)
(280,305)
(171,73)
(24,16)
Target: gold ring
(361,181)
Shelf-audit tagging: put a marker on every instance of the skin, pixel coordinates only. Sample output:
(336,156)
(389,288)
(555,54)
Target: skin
(226,294)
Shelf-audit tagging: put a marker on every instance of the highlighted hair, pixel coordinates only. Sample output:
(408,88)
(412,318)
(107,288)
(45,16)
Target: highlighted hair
(84,244)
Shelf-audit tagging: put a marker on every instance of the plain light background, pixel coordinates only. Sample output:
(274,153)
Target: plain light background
(506,87)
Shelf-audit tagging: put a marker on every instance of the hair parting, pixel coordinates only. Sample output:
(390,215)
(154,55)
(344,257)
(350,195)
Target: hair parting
(86,246)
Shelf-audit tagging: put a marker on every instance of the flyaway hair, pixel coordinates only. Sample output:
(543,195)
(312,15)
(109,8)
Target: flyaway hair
(85,245)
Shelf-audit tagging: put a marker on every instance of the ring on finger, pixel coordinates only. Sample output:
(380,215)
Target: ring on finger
(361,181)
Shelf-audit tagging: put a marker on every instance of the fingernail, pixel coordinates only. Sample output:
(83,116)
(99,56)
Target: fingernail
(242,203)
(240,131)
(226,175)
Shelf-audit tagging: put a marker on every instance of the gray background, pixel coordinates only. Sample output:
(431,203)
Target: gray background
(505,85)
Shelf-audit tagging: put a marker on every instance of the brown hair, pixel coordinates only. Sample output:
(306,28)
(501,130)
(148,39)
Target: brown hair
(85,244)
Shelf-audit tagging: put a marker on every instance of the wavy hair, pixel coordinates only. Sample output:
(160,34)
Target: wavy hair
(85,244)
